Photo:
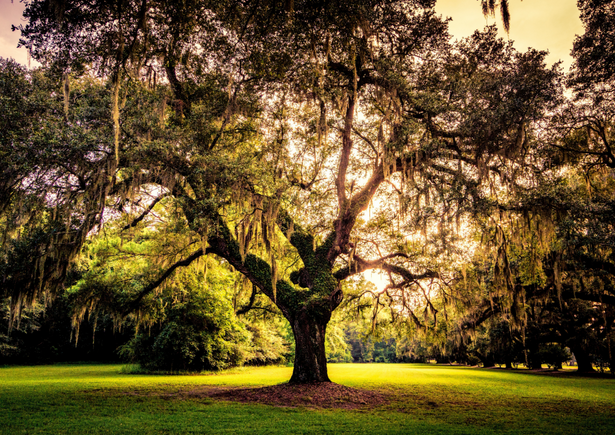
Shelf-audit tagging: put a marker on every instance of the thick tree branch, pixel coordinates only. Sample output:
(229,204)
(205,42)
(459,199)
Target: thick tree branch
(302,241)
(348,216)
(249,305)
(360,265)
(340,181)
(182,101)
(258,271)
(590,297)
(144,214)
(593,263)
(340,68)
(154,285)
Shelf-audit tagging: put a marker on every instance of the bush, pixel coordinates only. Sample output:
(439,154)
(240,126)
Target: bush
(198,333)
(267,346)
(554,355)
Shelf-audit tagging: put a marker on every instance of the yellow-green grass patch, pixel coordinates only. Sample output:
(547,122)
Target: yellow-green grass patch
(426,399)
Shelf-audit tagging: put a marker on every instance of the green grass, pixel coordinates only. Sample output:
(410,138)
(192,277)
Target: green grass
(429,399)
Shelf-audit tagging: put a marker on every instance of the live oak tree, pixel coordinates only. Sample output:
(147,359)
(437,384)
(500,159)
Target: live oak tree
(572,209)
(47,163)
(584,272)
(593,51)
(546,270)
(303,142)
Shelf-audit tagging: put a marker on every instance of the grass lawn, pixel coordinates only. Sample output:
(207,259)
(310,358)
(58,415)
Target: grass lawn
(429,399)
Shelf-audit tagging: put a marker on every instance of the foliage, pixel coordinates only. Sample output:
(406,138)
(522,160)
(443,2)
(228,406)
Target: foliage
(44,335)
(593,51)
(338,347)
(554,355)
(190,324)
(302,144)
(198,333)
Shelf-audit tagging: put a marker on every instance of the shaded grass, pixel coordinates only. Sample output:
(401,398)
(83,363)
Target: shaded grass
(426,399)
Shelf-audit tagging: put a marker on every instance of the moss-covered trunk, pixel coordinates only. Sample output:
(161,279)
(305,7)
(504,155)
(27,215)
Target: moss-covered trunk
(310,357)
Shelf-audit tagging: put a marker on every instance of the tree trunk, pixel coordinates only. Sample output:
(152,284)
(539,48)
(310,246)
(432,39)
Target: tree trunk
(310,357)
(611,357)
(584,361)
(533,358)
(486,359)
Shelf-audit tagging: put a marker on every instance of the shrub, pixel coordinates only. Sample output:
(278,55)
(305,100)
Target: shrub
(198,333)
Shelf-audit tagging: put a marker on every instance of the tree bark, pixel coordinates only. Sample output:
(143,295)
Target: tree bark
(584,361)
(534,359)
(310,356)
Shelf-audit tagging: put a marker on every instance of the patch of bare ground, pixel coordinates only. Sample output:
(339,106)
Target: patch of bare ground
(316,395)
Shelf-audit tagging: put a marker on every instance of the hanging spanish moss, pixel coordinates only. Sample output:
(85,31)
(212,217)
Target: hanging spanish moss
(115,111)
(66,92)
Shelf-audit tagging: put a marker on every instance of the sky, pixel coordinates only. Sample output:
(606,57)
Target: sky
(542,24)
(11,13)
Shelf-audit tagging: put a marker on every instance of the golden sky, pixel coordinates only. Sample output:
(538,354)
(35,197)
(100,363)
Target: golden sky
(11,13)
(542,24)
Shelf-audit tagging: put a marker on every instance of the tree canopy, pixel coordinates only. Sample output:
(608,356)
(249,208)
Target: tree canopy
(302,143)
